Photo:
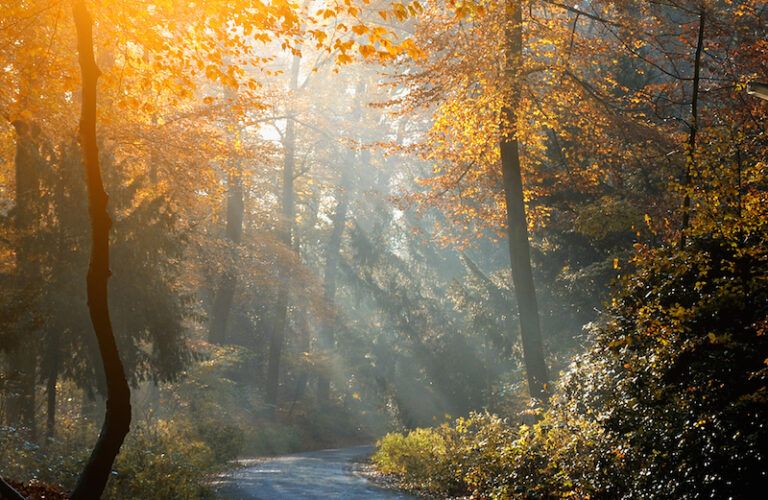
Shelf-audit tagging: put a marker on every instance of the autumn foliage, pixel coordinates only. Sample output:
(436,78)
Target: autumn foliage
(324,221)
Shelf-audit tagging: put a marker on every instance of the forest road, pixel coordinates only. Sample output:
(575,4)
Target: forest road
(326,474)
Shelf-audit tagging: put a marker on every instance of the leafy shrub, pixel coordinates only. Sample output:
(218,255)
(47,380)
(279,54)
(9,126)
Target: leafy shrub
(159,459)
(224,440)
(676,376)
(56,461)
(484,456)
(419,458)
(162,460)
(668,402)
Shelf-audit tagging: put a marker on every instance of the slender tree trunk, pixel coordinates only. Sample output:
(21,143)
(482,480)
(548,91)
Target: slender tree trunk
(333,250)
(222,304)
(22,361)
(303,376)
(277,337)
(276,341)
(517,226)
(50,392)
(117,419)
(693,129)
(329,285)
(52,378)
(52,359)
(303,334)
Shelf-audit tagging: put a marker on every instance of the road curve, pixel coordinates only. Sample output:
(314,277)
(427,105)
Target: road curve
(326,474)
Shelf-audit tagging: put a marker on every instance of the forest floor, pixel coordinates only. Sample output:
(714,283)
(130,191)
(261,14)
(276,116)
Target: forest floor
(310,475)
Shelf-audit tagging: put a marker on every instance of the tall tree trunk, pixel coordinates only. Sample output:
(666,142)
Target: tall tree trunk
(277,336)
(117,419)
(517,226)
(333,250)
(50,393)
(329,285)
(22,361)
(693,128)
(52,377)
(303,333)
(303,341)
(222,303)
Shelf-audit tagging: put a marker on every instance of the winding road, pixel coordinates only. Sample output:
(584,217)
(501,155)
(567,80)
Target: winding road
(326,474)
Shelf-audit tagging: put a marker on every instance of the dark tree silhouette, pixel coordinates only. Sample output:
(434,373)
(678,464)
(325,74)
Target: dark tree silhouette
(8,492)
(117,419)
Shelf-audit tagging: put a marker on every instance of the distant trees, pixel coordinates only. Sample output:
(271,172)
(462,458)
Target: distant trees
(342,195)
(301,223)
(583,100)
(22,367)
(286,228)
(234,218)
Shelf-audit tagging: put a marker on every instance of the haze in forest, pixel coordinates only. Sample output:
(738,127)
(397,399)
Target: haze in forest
(517,247)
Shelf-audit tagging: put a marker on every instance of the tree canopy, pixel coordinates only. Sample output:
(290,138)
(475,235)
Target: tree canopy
(529,235)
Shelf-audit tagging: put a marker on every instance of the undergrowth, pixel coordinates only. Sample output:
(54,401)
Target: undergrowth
(669,400)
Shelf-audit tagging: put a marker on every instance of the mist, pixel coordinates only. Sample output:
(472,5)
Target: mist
(382,249)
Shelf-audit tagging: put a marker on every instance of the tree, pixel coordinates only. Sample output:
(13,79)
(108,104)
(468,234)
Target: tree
(9,492)
(333,249)
(517,223)
(277,335)
(23,362)
(235,212)
(117,419)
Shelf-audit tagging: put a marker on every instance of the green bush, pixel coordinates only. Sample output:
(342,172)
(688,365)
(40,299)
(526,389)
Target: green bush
(677,378)
(224,440)
(668,402)
(57,461)
(484,456)
(420,458)
(159,459)
(163,460)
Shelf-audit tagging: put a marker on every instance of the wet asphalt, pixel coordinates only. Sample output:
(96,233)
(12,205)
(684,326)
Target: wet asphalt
(325,474)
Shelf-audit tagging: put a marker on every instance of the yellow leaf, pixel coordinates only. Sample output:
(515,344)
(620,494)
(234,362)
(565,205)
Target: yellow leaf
(366,50)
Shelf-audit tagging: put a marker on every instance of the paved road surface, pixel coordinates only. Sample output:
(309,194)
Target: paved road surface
(326,474)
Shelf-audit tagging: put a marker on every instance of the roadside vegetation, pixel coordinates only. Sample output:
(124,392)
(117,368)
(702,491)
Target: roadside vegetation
(668,401)
(522,244)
